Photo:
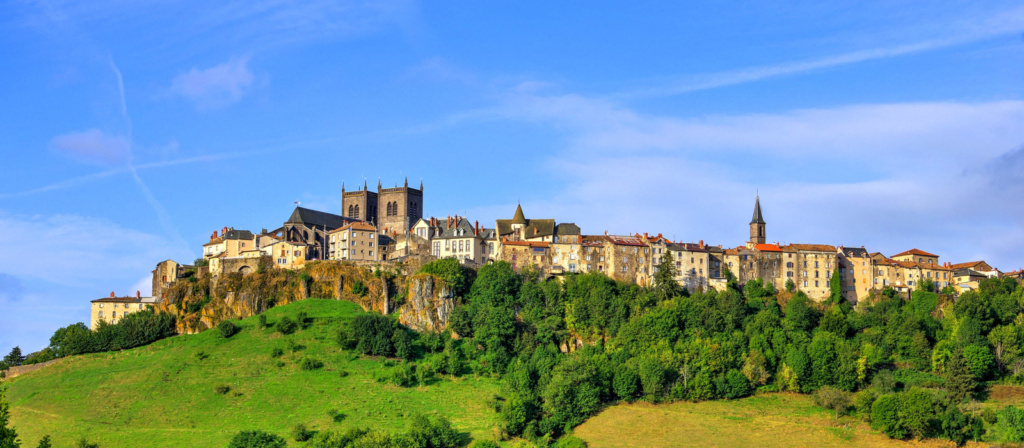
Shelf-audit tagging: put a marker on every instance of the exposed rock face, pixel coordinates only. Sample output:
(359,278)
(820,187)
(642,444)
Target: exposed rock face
(430,303)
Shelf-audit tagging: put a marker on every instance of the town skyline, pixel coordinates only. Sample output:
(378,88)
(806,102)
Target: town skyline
(858,124)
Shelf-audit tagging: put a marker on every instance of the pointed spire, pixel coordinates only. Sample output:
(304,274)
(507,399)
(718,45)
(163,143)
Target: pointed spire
(757,219)
(519,217)
(342,188)
(406,181)
(365,188)
(421,185)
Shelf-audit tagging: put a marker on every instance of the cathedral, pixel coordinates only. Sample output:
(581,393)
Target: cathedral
(391,210)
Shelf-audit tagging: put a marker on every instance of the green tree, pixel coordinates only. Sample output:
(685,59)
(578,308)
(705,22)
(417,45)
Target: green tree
(959,382)
(917,411)
(1011,424)
(926,284)
(834,399)
(665,284)
(45,442)
(8,436)
(885,417)
(256,439)
(790,286)
(14,358)
(454,274)
(835,285)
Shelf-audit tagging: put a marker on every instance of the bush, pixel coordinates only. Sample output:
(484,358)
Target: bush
(276,352)
(885,417)
(83,443)
(262,318)
(222,389)
(256,439)
(310,364)
(359,289)
(371,334)
(483,443)
(227,329)
(301,433)
(1011,424)
(571,442)
(403,375)
(336,417)
(433,433)
(287,326)
(829,397)
(202,355)
(45,442)
(303,319)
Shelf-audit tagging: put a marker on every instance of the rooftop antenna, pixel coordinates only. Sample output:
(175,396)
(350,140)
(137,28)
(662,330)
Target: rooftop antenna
(297,203)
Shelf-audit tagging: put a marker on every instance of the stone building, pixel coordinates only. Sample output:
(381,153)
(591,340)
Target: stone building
(567,249)
(309,227)
(166,273)
(230,243)
(456,237)
(112,309)
(967,279)
(521,229)
(692,263)
(917,256)
(358,241)
(628,258)
(856,270)
(289,255)
(392,210)
(813,265)
(594,254)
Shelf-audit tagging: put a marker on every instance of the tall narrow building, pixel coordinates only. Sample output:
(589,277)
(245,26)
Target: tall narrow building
(757,224)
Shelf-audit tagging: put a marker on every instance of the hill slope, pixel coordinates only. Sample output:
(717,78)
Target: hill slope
(163,394)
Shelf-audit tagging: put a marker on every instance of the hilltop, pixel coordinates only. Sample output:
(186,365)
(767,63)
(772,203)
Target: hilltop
(163,394)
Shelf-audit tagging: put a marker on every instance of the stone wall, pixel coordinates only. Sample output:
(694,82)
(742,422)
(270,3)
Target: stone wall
(21,370)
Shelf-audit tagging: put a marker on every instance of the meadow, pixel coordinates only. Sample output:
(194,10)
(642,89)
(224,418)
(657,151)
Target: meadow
(164,394)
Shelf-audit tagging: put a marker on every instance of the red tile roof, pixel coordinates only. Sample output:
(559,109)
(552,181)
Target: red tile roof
(969,264)
(915,252)
(768,247)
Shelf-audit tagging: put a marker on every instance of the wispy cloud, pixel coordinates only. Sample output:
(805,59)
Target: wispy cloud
(218,86)
(1009,22)
(93,147)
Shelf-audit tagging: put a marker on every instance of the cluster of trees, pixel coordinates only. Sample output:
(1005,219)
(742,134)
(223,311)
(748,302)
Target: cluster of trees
(566,348)
(134,330)
(423,432)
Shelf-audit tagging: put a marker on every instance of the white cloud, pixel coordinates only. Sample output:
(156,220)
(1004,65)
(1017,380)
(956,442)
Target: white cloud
(77,251)
(214,87)
(888,176)
(94,146)
(144,286)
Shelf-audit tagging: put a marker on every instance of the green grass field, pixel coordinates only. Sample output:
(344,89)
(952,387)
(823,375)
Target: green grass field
(163,394)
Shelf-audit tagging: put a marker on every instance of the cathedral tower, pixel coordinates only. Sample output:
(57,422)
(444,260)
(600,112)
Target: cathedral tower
(757,224)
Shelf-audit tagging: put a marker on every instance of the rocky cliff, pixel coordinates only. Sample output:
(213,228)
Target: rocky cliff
(429,303)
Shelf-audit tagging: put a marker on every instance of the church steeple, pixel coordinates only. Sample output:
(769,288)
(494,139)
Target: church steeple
(757,225)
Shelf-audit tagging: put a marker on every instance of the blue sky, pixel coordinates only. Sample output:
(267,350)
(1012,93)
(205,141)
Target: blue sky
(132,130)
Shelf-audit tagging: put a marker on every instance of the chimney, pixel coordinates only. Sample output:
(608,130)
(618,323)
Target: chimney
(111,293)
(225,230)
(476,228)
(606,232)
(645,235)
(701,244)
(138,294)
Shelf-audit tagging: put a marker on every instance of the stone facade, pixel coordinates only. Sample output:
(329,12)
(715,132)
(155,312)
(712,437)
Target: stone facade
(392,210)
(357,242)
(166,273)
(112,309)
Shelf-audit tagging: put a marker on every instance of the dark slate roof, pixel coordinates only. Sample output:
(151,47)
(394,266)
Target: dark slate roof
(963,272)
(461,225)
(519,218)
(238,235)
(757,219)
(317,218)
(535,228)
(567,228)
(688,247)
(858,252)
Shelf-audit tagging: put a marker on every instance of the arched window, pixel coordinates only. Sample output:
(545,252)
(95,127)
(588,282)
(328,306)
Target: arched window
(350,211)
(413,209)
(356,214)
(388,211)
(394,208)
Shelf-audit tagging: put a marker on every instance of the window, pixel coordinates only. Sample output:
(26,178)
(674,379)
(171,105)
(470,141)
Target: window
(815,274)
(588,257)
(623,259)
(805,263)
(805,283)
(815,283)
(789,274)
(490,248)
(815,264)
(371,253)
(101,305)
(623,269)
(113,314)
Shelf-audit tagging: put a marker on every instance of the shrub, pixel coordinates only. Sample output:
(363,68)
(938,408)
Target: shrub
(310,364)
(1011,424)
(301,433)
(359,289)
(483,443)
(626,382)
(45,442)
(959,427)
(287,326)
(403,375)
(276,352)
(256,439)
(343,373)
(571,442)
(83,443)
(336,417)
(295,348)
(829,397)
(303,319)
(433,433)
(227,328)
(262,318)
(885,417)
(201,355)
(222,389)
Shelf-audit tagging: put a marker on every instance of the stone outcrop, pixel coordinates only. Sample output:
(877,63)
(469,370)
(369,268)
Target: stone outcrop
(21,370)
(429,304)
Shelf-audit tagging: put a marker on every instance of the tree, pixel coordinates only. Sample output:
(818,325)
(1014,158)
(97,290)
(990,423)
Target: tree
(227,328)
(959,382)
(8,436)
(790,286)
(45,442)
(926,284)
(14,358)
(829,397)
(256,439)
(835,285)
(1011,424)
(665,284)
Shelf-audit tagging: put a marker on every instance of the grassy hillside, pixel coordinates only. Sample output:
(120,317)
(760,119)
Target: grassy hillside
(774,420)
(163,394)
